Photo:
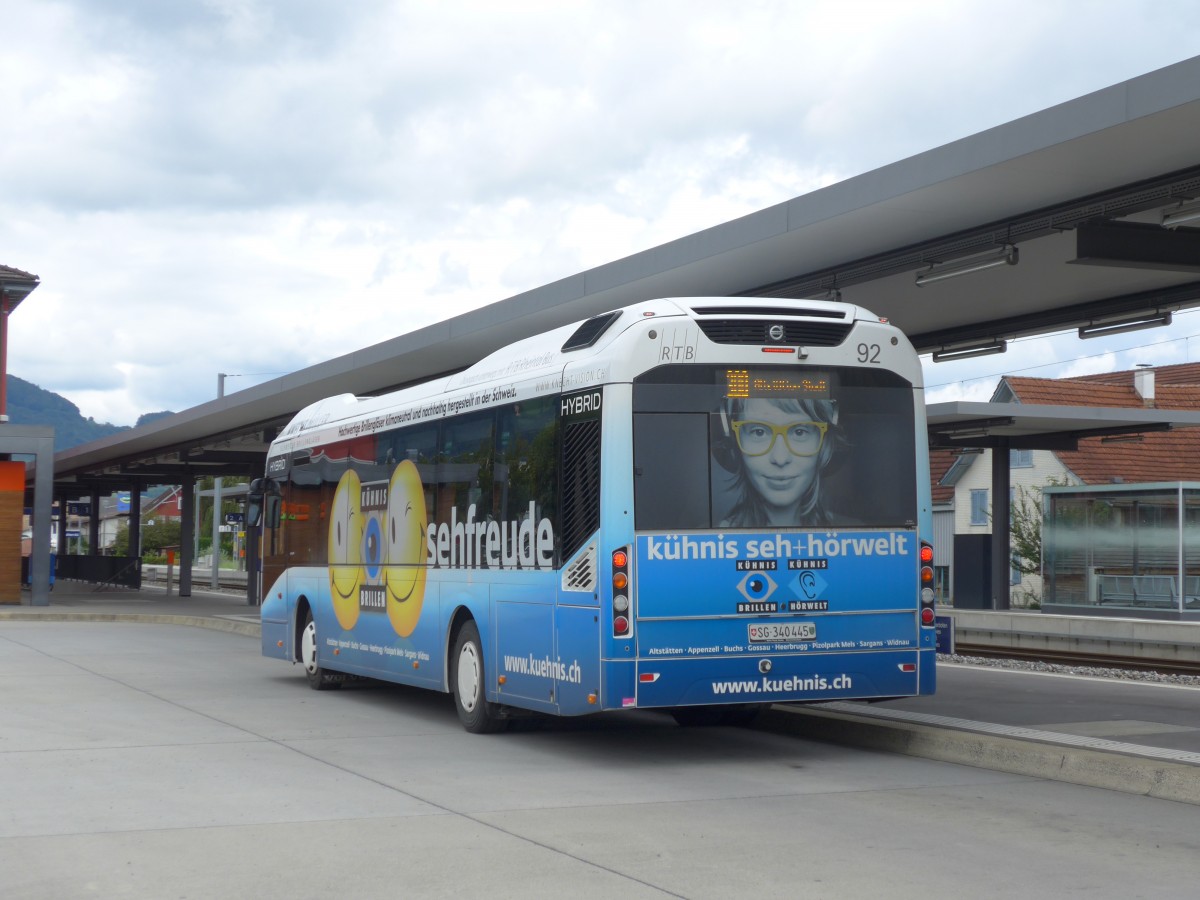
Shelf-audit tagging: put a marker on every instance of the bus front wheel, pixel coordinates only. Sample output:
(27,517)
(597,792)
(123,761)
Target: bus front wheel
(318,678)
(477,715)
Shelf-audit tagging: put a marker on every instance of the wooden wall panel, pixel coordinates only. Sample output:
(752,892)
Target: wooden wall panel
(12,505)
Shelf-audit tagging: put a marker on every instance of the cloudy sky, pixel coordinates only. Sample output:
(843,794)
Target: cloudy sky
(254,186)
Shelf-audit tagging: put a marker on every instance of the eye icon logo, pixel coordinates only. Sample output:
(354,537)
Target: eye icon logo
(756,586)
(372,547)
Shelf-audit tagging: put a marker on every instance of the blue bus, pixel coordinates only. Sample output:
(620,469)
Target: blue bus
(699,505)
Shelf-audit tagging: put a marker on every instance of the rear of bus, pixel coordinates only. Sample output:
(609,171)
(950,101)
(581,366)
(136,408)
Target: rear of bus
(781,512)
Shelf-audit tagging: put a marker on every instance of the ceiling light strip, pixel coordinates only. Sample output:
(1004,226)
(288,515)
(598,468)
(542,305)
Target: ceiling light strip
(1103,329)
(970,352)
(1181,216)
(1006,256)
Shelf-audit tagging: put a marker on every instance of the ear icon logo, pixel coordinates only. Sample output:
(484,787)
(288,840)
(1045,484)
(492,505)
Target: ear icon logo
(808,585)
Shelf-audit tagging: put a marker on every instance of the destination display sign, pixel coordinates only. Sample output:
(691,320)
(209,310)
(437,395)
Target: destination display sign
(744,384)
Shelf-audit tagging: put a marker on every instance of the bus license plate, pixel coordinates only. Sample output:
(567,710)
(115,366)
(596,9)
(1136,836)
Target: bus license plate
(782,632)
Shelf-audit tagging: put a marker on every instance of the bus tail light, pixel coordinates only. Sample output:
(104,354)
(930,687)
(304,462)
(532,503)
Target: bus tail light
(928,597)
(620,600)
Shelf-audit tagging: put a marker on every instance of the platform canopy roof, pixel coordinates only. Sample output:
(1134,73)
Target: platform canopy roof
(1020,426)
(15,286)
(1075,194)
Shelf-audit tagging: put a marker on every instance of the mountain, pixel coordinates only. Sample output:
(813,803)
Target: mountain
(29,404)
(147,418)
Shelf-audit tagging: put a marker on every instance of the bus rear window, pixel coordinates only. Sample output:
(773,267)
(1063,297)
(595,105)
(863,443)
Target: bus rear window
(773,447)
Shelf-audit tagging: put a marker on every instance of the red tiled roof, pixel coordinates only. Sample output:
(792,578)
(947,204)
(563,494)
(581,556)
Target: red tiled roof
(940,462)
(1159,456)
(1185,373)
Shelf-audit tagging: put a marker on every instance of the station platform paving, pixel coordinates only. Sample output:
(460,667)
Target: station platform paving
(83,601)
(1135,736)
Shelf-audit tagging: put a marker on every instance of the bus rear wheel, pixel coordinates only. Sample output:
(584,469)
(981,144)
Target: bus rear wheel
(318,679)
(468,685)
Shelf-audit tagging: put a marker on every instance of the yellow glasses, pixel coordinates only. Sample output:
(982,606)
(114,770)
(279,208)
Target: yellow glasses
(802,438)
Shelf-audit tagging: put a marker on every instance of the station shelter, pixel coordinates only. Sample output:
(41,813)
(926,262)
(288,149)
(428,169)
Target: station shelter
(1122,549)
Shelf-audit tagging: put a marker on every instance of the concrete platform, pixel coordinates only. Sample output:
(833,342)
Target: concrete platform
(152,761)
(1130,736)
(1145,638)
(1120,735)
(82,601)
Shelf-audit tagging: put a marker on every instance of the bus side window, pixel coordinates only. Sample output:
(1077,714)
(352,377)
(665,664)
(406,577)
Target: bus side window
(418,444)
(525,468)
(466,470)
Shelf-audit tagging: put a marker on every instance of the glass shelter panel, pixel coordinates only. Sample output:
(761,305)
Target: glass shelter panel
(1191,550)
(1114,548)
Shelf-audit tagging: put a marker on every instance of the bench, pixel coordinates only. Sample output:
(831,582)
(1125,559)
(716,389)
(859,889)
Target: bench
(1156,591)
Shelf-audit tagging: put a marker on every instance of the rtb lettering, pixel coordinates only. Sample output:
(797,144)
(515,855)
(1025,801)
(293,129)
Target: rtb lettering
(676,353)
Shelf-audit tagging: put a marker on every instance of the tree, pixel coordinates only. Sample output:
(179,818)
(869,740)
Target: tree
(1025,526)
(1025,529)
(120,544)
(163,533)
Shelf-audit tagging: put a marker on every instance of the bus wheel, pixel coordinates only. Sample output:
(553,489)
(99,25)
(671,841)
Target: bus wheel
(318,678)
(477,715)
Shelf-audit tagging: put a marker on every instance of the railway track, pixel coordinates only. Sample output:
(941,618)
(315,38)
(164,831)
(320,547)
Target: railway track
(1081,658)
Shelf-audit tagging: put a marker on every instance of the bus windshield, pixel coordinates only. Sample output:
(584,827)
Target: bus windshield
(733,447)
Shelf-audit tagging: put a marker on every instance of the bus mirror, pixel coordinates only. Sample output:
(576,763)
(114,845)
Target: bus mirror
(254,503)
(263,497)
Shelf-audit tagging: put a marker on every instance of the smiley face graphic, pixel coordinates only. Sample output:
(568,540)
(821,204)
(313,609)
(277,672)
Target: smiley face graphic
(404,574)
(345,548)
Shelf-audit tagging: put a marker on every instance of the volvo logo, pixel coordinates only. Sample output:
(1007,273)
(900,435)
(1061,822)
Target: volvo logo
(775,332)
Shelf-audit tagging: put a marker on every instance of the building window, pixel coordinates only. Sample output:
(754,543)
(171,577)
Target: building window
(979,507)
(1020,459)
